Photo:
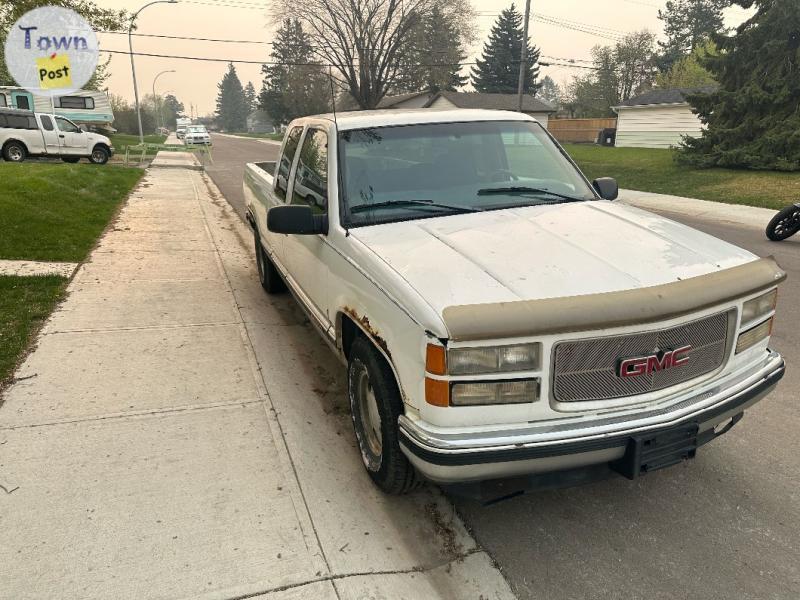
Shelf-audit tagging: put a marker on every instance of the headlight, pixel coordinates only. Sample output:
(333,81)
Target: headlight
(493,359)
(494,392)
(748,339)
(759,307)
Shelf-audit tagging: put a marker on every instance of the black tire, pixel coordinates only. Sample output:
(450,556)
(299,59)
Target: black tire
(784,224)
(99,156)
(268,275)
(15,151)
(389,468)
(70,159)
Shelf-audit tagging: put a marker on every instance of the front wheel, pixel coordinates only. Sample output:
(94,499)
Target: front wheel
(784,224)
(375,406)
(99,155)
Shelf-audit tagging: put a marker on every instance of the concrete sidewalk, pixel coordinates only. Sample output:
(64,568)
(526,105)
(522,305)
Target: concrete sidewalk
(178,434)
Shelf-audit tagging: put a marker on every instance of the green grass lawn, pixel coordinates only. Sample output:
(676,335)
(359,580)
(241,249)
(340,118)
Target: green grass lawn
(278,137)
(25,302)
(654,170)
(55,212)
(121,141)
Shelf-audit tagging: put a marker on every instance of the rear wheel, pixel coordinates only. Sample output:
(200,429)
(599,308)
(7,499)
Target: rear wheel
(268,275)
(785,224)
(99,155)
(70,159)
(375,405)
(14,152)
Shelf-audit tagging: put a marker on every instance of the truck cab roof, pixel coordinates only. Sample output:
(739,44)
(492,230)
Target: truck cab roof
(386,118)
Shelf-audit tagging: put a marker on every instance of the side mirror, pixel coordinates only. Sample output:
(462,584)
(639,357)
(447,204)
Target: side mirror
(607,188)
(297,220)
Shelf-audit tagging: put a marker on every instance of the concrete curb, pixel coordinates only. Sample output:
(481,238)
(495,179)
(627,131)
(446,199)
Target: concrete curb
(737,214)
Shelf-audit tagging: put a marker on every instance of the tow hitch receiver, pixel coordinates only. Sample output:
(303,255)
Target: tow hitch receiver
(651,452)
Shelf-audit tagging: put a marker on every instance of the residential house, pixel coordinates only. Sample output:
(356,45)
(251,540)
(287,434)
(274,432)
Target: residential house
(535,107)
(657,119)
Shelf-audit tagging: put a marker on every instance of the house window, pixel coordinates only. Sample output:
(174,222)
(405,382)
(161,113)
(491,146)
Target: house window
(78,102)
(22,103)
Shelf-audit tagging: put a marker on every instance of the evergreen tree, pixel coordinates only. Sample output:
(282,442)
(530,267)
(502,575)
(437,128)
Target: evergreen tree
(294,84)
(687,24)
(231,103)
(433,60)
(498,69)
(250,97)
(753,119)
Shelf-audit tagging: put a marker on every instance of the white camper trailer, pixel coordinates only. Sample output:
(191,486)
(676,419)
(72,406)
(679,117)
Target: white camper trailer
(90,110)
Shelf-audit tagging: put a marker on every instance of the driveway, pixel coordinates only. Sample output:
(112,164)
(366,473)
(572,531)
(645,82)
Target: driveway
(231,154)
(725,525)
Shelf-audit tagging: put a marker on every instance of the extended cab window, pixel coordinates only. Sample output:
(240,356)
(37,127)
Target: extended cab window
(311,177)
(285,162)
(47,123)
(67,126)
(429,170)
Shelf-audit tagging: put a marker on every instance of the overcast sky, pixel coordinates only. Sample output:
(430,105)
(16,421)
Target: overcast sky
(194,83)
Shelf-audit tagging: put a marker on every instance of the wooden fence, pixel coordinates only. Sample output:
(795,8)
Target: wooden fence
(579,130)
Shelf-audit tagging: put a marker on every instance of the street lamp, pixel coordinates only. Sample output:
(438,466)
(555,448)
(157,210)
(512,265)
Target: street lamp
(133,67)
(156,99)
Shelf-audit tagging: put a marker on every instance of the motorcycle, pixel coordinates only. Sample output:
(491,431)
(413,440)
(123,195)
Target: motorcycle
(784,224)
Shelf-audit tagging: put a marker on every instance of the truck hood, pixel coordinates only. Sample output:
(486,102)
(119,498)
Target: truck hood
(541,252)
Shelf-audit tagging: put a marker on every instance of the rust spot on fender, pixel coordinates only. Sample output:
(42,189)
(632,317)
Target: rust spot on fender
(363,320)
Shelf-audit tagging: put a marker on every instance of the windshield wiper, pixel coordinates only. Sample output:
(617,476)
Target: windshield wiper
(525,190)
(412,203)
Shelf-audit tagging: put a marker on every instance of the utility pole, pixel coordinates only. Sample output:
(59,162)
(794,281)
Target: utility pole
(523,55)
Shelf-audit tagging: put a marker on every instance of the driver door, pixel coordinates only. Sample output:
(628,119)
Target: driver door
(72,139)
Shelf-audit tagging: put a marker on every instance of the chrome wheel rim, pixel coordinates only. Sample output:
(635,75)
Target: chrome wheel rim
(15,153)
(788,225)
(368,415)
(98,155)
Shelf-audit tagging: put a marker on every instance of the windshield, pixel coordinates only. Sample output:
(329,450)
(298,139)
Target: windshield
(427,168)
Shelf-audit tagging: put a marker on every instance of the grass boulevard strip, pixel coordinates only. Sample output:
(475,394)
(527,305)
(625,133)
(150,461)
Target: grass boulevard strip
(655,170)
(49,213)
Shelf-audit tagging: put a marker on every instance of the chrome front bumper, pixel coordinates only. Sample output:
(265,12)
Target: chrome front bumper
(445,456)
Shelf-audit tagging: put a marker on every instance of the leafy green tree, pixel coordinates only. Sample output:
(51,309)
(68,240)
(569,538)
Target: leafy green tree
(688,72)
(294,85)
(433,60)
(172,109)
(231,103)
(498,68)
(100,19)
(687,24)
(550,91)
(752,120)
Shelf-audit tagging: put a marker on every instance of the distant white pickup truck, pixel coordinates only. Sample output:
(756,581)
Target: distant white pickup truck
(24,134)
(500,316)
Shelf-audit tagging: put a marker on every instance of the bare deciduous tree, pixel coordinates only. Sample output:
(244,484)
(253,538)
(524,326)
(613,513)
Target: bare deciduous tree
(365,40)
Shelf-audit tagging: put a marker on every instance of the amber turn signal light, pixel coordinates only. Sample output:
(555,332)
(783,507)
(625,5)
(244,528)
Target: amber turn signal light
(436,360)
(437,392)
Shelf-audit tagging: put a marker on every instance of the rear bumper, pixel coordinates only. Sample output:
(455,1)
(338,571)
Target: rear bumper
(446,457)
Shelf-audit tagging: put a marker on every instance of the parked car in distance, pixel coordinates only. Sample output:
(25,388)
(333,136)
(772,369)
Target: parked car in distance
(24,133)
(181,124)
(197,134)
(501,318)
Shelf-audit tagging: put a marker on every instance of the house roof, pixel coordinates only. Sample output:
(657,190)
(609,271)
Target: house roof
(666,96)
(494,101)
(390,101)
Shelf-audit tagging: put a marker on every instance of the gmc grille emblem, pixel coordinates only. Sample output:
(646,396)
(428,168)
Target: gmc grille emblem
(661,360)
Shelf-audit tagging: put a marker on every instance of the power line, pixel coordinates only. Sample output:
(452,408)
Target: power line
(181,37)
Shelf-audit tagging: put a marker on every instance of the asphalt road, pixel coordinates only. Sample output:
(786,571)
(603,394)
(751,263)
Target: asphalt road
(725,525)
(231,154)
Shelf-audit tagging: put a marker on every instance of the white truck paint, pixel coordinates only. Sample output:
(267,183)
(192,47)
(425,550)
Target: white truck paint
(24,133)
(393,278)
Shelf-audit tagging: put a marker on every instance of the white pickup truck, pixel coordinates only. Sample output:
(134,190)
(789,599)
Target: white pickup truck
(500,316)
(24,134)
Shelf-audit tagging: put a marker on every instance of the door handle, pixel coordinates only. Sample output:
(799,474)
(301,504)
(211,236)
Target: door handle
(61,135)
